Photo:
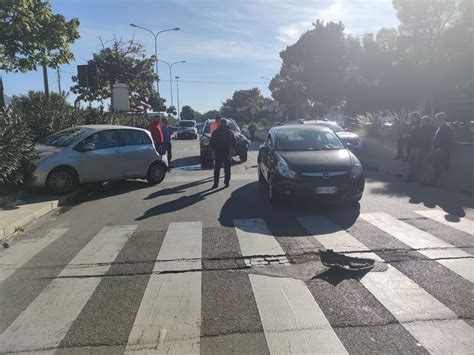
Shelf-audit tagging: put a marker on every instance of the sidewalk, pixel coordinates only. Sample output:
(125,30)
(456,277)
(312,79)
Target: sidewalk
(16,211)
(378,153)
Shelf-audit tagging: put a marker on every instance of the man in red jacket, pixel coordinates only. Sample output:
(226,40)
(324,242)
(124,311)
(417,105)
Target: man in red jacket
(156,133)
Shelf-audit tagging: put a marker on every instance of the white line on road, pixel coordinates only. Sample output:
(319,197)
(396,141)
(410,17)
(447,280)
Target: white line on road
(45,322)
(410,304)
(255,238)
(291,318)
(455,259)
(169,318)
(462,224)
(22,251)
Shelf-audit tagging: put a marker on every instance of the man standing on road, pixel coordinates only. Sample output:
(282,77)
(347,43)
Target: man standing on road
(156,133)
(441,147)
(252,129)
(223,144)
(167,132)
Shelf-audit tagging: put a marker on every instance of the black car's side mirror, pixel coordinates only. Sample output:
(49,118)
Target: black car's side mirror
(264,148)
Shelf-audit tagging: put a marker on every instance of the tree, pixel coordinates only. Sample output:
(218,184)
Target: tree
(121,62)
(30,34)
(187,113)
(312,74)
(244,106)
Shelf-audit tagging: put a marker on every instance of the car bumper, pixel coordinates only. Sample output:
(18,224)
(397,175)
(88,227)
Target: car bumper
(187,134)
(38,177)
(350,189)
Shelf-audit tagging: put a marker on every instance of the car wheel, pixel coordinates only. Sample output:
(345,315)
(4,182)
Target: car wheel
(261,178)
(274,195)
(156,173)
(62,180)
(243,156)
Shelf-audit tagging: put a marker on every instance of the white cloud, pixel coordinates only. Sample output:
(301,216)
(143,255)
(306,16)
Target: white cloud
(291,33)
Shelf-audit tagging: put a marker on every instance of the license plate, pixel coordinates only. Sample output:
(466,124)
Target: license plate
(326,190)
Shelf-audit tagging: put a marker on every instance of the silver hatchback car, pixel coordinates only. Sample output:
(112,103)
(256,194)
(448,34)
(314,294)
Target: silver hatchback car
(97,153)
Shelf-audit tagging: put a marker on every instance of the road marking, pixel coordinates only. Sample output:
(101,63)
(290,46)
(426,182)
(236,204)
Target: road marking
(462,224)
(169,318)
(291,318)
(255,238)
(20,253)
(181,248)
(45,322)
(411,305)
(446,254)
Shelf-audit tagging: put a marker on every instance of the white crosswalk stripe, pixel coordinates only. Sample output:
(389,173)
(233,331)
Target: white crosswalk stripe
(44,323)
(21,252)
(455,259)
(411,305)
(291,318)
(462,224)
(169,318)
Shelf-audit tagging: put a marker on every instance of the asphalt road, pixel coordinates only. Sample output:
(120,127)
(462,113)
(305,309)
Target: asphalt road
(180,268)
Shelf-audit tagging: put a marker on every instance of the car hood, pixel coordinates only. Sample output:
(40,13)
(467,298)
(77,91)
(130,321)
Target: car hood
(315,161)
(347,135)
(46,151)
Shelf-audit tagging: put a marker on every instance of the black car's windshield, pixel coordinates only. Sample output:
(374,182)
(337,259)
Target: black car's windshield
(66,137)
(307,140)
(187,124)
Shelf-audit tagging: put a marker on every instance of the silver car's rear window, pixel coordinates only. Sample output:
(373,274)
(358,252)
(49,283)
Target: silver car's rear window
(65,137)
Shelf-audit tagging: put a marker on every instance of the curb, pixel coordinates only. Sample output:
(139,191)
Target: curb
(7,231)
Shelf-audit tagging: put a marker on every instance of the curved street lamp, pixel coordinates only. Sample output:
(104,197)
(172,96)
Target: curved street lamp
(155,35)
(170,65)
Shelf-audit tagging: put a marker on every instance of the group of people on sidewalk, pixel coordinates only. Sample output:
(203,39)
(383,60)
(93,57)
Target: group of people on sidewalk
(425,140)
(222,143)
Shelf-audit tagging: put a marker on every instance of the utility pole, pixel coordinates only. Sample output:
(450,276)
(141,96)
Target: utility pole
(59,82)
(177,94)
(45,78)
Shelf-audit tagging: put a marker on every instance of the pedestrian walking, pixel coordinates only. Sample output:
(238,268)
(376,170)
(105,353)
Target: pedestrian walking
(441,149)
(167,133)
(223,144)
(404,129)
(252,129)
(415,140)
(156,133)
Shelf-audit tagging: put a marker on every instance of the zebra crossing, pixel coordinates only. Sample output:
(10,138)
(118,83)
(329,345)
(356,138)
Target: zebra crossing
(171,309)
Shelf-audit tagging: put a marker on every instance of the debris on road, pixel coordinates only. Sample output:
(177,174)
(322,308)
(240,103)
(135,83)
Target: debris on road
(332,259)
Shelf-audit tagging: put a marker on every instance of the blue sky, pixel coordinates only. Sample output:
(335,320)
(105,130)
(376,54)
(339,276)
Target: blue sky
(231,42)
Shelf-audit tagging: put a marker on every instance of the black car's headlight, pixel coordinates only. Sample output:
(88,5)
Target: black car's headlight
(205,141)
(285,171)
(356,171)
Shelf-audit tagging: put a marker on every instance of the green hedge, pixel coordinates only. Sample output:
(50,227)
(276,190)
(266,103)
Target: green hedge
(17,153)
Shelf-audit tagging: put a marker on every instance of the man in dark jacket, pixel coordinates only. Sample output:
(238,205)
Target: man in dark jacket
(441,147)
(222,143)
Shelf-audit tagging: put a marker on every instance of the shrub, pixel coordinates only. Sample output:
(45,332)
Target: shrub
(17,152)
(42,115)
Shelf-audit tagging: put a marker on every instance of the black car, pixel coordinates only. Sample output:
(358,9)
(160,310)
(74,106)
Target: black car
(241,143)
(309,160)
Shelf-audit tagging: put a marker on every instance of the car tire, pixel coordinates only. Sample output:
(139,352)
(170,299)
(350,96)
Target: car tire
(243,156)
(274,195)
(261,178)
(62,180)
(156,173)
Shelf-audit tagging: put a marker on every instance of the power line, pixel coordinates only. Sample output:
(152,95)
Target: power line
(220,82)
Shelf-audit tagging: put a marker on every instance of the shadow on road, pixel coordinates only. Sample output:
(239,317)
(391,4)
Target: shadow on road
(336,276)
(452,203)
(177,189)
(180,203)
(251,201)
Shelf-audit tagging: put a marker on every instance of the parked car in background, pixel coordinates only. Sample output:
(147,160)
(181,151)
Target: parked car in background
(187,129)
(350,139)
(241,143)
(97,153)
(199,127)
(309,160)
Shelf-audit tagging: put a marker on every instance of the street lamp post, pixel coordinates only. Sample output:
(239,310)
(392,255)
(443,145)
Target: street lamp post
(177,94)
(262,77)
(155,35)
(170,66)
